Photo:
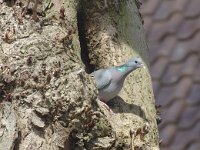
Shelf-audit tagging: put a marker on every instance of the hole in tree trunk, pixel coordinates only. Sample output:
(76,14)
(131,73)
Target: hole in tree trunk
(89,68)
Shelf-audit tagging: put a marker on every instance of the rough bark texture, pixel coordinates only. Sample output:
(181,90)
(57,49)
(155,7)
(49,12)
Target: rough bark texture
(48,101)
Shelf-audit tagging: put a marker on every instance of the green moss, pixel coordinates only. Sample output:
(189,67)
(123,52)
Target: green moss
(102,128)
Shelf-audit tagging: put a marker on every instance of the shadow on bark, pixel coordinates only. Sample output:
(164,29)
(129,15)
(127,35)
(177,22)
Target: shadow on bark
(118,105)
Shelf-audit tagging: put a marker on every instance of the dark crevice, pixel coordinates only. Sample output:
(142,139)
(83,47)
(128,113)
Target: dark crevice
(30,12)
(9,3)
(17,141)
(89,68)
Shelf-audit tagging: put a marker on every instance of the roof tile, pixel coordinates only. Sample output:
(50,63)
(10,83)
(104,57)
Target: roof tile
(156,86)
(180,5)
(165,95)
(194,44)
(172,74)
(164,10)
(153,48)
(197,74)
(147,23)
(167,134)
(161,29)
(190,64)
(168,8)
(172,113)
(190,113)
(174,22)
(179,52)
(187,28)
(194,95)
(149,6)
(158,29)
(194,145)
(183,87)
(168,94)
(183,137)
(193,8)
(159,67)
(166,46)
(173,29)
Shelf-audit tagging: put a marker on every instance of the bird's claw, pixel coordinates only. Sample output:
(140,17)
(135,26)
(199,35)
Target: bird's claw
(106,106)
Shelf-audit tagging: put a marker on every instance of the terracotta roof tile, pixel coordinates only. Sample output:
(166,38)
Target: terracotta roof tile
(149,6)
(194,44)
(147,23)
(153,48)
(176,70)
(166,46)
(160,29)
(156,86)
(197,74)
(179,52)
(158,68)
(188,28)
(172,74)
(173,112)
(183,87)
(167,148)
(191,112)
(174,22)
(168,8)
(164,10)
(194,95)
(173,32)
(165,95)
(180,5)
(183,137)
(193,8)
(167,133)
(195,145)
(190,64)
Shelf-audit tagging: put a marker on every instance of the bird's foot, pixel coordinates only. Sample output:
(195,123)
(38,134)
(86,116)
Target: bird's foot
(106,106)
(141,132)
(132,135)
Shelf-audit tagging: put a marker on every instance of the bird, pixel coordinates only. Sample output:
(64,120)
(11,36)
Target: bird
(110,81)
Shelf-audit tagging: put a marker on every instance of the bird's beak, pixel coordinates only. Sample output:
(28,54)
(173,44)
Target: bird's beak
(142,66)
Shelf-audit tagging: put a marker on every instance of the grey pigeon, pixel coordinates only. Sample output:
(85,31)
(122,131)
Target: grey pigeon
(110,81)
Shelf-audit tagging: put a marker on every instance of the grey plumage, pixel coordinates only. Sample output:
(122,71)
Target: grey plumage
(110,81)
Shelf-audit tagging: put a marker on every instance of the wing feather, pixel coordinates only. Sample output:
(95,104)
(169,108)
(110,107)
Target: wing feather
(102,77)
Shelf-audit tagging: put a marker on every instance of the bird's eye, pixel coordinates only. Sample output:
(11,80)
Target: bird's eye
(136,61)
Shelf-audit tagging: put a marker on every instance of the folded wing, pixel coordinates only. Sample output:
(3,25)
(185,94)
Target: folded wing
(103,78)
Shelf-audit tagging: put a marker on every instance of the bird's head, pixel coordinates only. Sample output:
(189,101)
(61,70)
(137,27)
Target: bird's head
(131,64)
(135,63)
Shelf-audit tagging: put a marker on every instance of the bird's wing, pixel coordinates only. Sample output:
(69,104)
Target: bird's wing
(102,77)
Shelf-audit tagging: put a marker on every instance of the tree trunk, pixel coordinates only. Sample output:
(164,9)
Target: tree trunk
(48,99)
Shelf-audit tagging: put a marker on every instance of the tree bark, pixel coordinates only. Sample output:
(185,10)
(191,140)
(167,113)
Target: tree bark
(48,99)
